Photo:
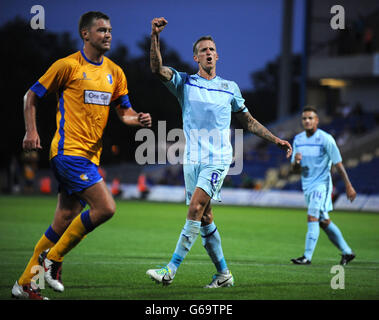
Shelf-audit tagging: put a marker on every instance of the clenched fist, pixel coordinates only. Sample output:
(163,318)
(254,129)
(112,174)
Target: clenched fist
(157,25)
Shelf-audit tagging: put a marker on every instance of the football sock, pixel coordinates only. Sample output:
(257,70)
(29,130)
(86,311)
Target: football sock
(311,239)
(212,243)
(75,232)
(47,241)
(335,236)
(187,238)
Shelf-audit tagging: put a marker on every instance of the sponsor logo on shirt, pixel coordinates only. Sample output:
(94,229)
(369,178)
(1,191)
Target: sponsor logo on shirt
(97,97)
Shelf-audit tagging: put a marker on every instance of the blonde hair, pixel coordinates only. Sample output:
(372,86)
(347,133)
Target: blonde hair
(194,48)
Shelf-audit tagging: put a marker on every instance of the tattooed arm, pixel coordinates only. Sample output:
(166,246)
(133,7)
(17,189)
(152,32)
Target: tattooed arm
(156,66)
(253,126)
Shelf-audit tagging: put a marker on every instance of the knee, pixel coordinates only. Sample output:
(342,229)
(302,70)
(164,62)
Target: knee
(195,210)
(324,223)
(206,219)
(312,219)
(111,209)
(108,210)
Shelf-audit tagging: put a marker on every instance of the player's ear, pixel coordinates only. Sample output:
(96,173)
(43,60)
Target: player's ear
(84,33)
(196,58)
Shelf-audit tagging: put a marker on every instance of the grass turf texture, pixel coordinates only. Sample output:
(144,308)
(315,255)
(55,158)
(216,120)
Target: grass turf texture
(111,262)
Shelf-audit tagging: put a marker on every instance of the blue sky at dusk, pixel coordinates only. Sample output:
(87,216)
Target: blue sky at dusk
(247,32)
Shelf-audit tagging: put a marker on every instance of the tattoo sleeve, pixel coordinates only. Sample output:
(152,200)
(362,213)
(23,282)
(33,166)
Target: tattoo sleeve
(253,126)
(164,73)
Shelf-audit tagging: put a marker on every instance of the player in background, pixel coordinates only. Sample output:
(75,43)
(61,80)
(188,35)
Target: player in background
(207,102)
(87,84)
(314,152)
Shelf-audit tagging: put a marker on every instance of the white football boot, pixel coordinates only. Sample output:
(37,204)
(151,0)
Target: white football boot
(220,280)
(26,292)
(53,272)
(163,275)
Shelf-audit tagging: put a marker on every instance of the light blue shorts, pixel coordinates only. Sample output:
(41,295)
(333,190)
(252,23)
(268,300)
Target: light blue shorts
(319,202)
(205,176)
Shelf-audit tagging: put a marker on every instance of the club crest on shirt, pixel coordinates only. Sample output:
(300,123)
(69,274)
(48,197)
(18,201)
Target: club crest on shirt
(109,77)
(224,86)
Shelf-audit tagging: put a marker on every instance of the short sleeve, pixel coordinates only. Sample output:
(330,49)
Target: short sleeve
(120,95)
(176,84)
(332,150)
(54,79)
(238,103)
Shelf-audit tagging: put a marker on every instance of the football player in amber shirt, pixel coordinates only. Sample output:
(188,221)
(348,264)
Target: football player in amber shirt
(87,85)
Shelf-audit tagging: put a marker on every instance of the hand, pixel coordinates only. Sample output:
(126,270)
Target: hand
(157,25)
(285,145)
(31,141)
(298,157)
(144,119)
(350,193)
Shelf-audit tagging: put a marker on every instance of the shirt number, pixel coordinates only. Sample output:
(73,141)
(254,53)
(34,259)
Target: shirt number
(214,178)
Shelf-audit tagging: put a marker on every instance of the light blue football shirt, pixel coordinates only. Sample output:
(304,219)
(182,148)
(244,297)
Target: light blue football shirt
(206,109)
(319,152)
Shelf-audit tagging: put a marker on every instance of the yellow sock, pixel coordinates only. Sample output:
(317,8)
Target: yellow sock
(43,244)
(75,232)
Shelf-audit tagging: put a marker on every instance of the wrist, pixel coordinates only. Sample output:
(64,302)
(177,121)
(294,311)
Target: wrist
(29,130)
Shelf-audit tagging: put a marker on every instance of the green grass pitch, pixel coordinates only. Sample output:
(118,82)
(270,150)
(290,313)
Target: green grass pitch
(111,262)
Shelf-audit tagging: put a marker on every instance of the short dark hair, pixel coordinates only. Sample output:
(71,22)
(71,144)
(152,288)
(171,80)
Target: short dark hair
(87,18)
(310,108)
(194,48)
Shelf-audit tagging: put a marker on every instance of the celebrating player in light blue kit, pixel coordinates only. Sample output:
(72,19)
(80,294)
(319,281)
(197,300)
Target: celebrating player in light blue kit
(314,152)
(207,102)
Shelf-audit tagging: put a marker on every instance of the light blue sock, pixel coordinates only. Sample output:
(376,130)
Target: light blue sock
(212,243)
(311,239)
(187,238)
(335,235)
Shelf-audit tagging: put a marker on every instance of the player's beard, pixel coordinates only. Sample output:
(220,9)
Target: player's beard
(100,48)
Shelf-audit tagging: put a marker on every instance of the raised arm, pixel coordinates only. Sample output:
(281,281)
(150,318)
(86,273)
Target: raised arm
(350,191)
(31,140)
(156,65)
(132,118)
(253,126)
